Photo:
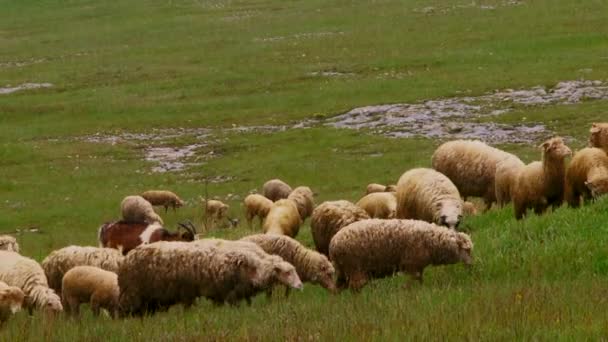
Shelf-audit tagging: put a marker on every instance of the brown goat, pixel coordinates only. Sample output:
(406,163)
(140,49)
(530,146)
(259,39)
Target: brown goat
(125,236)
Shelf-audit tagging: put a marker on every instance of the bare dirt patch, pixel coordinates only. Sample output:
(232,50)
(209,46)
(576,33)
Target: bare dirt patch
(25,86)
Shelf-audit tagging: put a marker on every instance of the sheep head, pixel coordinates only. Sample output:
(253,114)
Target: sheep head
(286,274)
(324,274)
(599,135)
(14,296)
(555,148)
(598,187)
(449,213)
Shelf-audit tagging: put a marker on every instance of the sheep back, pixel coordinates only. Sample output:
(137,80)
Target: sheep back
(379,204)
(303,197)
(283,218)
(504,180)
(276,189)
(163,197)
(329,217)
(137,209)
(256,205)
(90,284)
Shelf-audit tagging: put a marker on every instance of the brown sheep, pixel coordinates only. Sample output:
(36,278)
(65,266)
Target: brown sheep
(303,197)
(89,284)
(329,217)
(283,218)
(425,194)
(163,197)
(469,209)
(379,248)
(256,205)
(586,175)
(11,301)
(381,205)
(276,189)
(599,136)
(136,209)
(504,180)
(541,183)
(215,212)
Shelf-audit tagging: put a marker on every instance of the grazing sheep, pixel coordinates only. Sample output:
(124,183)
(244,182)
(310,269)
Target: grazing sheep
(163,197)
(375,187)
(311,266)
(26,274)
(425,194)
(89,284)
(8,243)
(303,197)
(11,301)
(471,166)
(180,272)
(329,217)
(256,205)
(541,183)
(283,218)
(381,205)
(599,136)
(469,209)
(126,236)
(276,189)
(137,209)
(586,175)
(504,179)
(215,212)
(379,248)
(57,263)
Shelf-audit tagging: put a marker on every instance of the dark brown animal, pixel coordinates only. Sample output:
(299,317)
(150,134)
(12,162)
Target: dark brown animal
(125,236)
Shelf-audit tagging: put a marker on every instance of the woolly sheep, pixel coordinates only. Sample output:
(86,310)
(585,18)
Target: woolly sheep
(283,218)
(586,175)
(26,274)
(425,194)
(89,284)
(381,205)
(163,197)
(256,205)
(329,217)
(180,272)
(599,136)
(8,243)
(60,261)
(541,183)
(471,166)
(137,209)
(375,187)
(311,266)
(303,197)
(215,211)
(378,248)
(276,189)
(504,179)
(469,209)
(11,301)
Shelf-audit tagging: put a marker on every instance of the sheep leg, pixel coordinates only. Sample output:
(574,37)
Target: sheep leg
(357,280)
(340,280)
(520,210)
(73,305)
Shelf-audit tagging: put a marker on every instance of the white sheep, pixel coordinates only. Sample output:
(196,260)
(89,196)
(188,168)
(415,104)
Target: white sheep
(586,176)
(283,218)
(276,189)
(137,209)
(8,243)
(26,274)
(256,205)
(303,197)
(381,205)
(89,284)
(425,194)
(11,301)
(329,217)
(163,197)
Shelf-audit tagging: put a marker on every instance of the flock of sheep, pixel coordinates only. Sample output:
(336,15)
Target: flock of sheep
(140,267)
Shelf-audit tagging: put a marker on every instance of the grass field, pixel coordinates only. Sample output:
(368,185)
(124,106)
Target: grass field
(126,68)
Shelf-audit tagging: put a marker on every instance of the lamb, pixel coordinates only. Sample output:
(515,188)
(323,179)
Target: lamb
(586,175)
(256,205)
(60,261)
(599,136)
(541,183)
(137,209)
(381,205)
(303,197)
(215,212)
(276,189)
(11,301)
(469,209)
(8,243)
(283,218)
(329,217)
(425,194)
(379,248)
(180,272)
(163,197)
(471,166)
(126,236)
(375,187)
(311,266)
(89,284)
(26,274)
(504,179)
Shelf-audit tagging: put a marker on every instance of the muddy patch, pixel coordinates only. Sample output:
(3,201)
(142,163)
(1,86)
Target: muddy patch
(456,118)
(25,86)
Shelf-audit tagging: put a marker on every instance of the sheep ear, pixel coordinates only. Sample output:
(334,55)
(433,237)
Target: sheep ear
(594,128)
(544,145)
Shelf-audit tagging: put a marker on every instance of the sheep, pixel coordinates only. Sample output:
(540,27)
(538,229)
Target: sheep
(90,284)
(11,301)
(541,183)
(283,218)
(428,195)
(137,209)
(599,136)
(276,189)
(60,261)
(126,236)
(26,274)
(215,212)
(303,197)
(161,274)
(375,187)
(504,179)
(471,166)
(256,205)
(8,243)
(586,175)
(379,204)
(469,209)
(329,217)
(163,197)
(378,248)
(311,266)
